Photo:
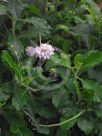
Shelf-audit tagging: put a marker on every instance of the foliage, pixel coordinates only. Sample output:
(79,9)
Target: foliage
(60,96)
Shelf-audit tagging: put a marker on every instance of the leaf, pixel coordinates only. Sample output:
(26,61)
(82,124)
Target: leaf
(47,111)
(85,125)
(34,9)
(23,98)
(65,60)
(78,61)
(62,27)
(67,126)
(12,65)
(6,90)
(96,73)
(58,97)
(98,109)
(3,10)
(16,8)
(16,46)
(56,60)
(17,124)
(91,7)
(96,87)
(3,97)
(7,59)
(88,94)
(43,130)
(65,133)
(93,58)
(37,26)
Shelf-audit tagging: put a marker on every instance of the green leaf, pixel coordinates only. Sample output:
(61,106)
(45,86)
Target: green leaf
(37,26)
(88,94)
(17,124)
(7,59)
(12,65)
(78,61)
(63,133)
(85,125)
(96,73)
(91,7)
(47,111)
(56,60)
(34,9)
(16,8)
(16,46)
(98,109)
(96,87)
(8,87)
(67,126)
(43,130)
(62,27)
(93,58)
(3,10)
(21,97)
(65,60)
(58,97)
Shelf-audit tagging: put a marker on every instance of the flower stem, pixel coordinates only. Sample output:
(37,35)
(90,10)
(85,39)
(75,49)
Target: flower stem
(64,122)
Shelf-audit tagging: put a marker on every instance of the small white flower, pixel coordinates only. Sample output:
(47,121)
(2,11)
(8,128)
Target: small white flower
(44,51)
(30,51)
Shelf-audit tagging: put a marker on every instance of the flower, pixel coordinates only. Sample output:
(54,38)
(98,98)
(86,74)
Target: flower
(30,51)
(44,51)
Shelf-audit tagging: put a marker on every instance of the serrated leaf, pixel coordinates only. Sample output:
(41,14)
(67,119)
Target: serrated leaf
(93,58)
(37,26)
(78,61)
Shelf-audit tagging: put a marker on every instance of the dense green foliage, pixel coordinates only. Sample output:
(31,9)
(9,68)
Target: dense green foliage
(61,96)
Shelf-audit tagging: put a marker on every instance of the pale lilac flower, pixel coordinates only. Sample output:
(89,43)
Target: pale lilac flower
(30,51)
(44,51)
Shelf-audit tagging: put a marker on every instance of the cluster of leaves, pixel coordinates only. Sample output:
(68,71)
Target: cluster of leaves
(61,96)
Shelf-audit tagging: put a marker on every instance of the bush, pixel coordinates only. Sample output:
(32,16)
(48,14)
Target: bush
(50,68)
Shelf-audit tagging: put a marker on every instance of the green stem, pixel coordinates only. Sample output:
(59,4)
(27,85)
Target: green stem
(77,90)
(14,35)
(64,122)
(76,83)
(30,88)
(13,25)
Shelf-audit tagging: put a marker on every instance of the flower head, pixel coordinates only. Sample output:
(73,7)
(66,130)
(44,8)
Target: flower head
(44,51)
(30,51)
